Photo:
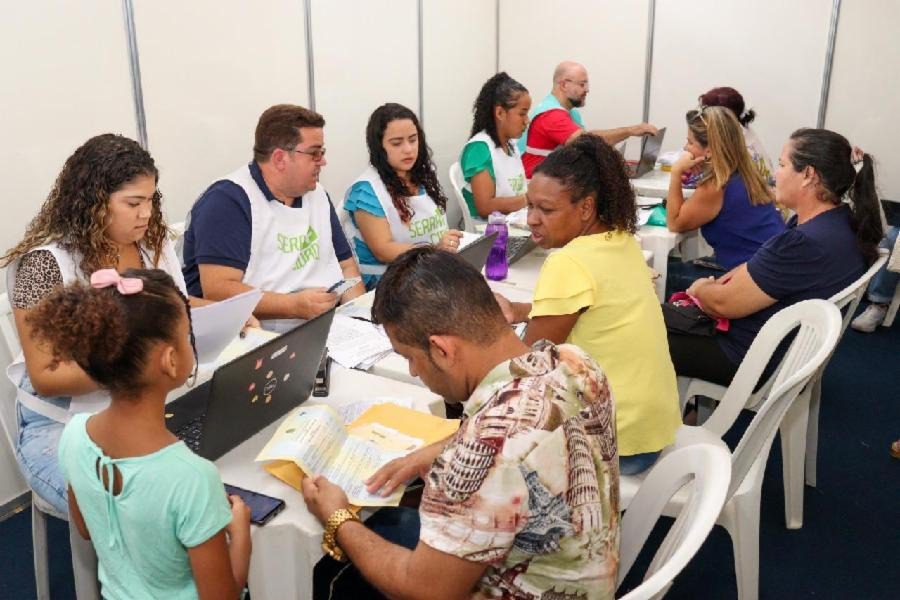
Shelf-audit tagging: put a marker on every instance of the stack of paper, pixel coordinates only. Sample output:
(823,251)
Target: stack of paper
(357,343)
(315,440)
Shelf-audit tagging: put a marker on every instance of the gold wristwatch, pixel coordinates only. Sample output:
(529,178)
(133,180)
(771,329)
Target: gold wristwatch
(329,539)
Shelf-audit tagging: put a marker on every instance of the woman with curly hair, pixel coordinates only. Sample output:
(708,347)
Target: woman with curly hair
(397,202)
(490,162)
(595,292)
(103,212)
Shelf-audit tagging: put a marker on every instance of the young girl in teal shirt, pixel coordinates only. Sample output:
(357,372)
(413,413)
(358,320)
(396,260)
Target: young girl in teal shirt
(157,514)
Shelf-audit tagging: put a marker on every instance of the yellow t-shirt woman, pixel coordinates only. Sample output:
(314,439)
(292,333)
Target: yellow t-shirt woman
(604,278)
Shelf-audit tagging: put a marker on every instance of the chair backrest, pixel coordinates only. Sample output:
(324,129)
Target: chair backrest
(458,182)
(708,467)
(848,299)
(13,347)
(176,235)
(818,327)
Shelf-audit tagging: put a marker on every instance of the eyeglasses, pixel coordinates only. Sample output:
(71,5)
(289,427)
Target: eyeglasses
(583,84)
(317,154)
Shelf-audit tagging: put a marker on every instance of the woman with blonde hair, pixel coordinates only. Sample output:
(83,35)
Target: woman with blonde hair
(732,205)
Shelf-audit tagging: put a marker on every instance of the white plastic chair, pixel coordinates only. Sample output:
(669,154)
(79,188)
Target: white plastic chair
(818,324)
(892,308)
(84,559)
(798,458)
(703,472)
(458,182)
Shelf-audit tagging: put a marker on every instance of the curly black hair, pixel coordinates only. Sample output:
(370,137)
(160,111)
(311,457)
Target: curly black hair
(109,334)
(588,166)
(74,214)
(499,90)
(422,173)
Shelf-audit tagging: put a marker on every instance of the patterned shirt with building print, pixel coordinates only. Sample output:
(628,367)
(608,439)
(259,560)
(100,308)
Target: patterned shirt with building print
(529,484)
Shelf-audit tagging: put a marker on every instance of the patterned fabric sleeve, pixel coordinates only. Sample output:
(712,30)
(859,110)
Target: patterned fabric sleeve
(38,275)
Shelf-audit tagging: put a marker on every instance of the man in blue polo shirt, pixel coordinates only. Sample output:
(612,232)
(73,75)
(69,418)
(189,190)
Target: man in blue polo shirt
(270,225)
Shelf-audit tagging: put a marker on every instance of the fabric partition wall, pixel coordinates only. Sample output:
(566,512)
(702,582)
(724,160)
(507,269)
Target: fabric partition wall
(608,37)
(862,102)
(366,54)
(209,69)
(772,52)
(459,49)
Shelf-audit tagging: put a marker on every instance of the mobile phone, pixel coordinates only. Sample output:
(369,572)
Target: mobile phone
(262,508)
(323,376)
(343,285)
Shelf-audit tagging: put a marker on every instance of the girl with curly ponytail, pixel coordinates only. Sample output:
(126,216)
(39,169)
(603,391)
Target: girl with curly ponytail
(397,202)
(595,291)
(490,162)
(126,474)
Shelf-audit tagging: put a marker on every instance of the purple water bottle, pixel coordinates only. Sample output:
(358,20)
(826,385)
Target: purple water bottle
(496,266)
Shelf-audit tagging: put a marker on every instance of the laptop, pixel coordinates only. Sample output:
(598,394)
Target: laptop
(477,252)
(650,147)
(250,392)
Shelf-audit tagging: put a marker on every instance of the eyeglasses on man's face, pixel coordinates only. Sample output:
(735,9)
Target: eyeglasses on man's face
(317,154)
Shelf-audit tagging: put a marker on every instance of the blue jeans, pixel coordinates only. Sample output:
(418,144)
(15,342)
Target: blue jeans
(36,453)
(681,275)
(883,285)
(334,580)
(637,463)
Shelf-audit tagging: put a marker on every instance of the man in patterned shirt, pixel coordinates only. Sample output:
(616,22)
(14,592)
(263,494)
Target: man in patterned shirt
(522,501)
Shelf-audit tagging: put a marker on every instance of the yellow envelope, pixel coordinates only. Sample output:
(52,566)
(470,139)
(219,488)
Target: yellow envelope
(428,428)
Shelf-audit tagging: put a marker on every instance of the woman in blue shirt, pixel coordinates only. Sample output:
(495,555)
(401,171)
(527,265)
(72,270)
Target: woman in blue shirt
(827,245)
(732,206)
(397,202)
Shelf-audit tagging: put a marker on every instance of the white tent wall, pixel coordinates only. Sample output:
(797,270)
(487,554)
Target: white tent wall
(862,103)
(772,52)
(459,54)
(608,36)
(209,68)
(205,86)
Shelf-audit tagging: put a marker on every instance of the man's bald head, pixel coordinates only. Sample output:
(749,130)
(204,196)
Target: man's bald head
(568,69)
(570,83)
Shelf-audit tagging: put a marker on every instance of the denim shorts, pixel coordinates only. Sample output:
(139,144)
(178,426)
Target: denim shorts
(37,453)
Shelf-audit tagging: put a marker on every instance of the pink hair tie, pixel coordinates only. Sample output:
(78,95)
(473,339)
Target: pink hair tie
(109,277)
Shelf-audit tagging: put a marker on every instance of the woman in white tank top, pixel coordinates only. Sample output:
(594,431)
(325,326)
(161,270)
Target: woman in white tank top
(397,202)
(490,162)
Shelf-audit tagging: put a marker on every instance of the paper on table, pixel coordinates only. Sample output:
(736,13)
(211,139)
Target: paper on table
(350,412)
(352,342)
(315,439)
(216,325)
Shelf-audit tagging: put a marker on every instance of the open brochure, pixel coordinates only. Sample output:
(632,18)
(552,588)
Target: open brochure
(314,440)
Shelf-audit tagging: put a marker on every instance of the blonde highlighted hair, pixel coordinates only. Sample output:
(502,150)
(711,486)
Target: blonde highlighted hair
(716,128)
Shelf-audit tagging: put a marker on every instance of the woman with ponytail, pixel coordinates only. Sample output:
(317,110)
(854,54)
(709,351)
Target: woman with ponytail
(827,245)
(156,513)
(731,99)
(595,291)
(732,206)
(490,162)
(397,202)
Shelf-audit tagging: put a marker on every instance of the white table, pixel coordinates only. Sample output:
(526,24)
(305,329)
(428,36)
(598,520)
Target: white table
(287,548)
(656,184)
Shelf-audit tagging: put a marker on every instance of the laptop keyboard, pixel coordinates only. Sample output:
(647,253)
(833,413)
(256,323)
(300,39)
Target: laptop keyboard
(514,244)
(191,432)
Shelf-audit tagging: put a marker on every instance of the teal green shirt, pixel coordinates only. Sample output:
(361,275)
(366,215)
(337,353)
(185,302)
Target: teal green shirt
(476,157)
(171,500)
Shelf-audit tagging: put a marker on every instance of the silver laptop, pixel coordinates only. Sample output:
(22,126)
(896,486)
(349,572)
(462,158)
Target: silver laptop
(650,147)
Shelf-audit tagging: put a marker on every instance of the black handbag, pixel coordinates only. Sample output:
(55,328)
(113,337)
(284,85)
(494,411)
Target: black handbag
(688,319)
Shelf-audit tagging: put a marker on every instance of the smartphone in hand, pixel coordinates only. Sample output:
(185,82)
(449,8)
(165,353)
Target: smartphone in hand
(343,285)
(262,508)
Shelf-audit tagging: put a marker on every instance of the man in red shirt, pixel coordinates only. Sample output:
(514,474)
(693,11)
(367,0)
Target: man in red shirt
(556,119)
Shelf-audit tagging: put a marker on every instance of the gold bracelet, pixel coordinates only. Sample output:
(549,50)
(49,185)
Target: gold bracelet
(329,539)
